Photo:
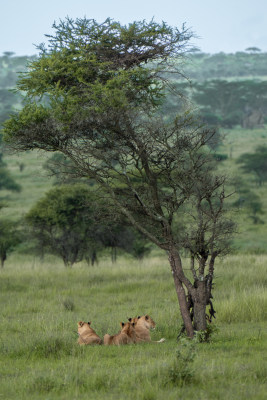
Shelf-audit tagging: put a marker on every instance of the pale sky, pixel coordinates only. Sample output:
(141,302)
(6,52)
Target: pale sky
(221,25)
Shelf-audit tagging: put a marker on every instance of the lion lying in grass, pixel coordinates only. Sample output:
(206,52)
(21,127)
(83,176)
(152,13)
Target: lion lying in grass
(136,330)
(142,326)
(87,335)
(125,336)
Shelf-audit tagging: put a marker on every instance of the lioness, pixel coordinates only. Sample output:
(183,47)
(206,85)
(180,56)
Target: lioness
(125,336)
(87,335)
(142,328)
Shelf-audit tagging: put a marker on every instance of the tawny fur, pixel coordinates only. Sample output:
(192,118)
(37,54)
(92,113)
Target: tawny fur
(125,336)
(87,335)
(142,329)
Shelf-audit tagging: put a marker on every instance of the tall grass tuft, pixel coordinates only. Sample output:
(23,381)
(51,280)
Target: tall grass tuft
(54,347)
(68,303)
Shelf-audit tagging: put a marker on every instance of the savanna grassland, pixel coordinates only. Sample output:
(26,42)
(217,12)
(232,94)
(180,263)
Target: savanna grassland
(42,301)
(41,304)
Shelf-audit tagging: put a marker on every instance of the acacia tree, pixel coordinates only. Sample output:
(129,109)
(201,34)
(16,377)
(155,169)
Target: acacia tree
(63,222)
(72,222)
(255,163)
(104,85)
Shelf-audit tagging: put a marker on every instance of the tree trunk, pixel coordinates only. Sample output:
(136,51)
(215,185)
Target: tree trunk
(113,254)
(199,307)
(200,323)
(93,257)
(176,267)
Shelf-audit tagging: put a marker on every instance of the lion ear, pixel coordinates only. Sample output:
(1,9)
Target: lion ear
(89,323)
(80,323)
(129,319)
(122,324)
(146,317)
(139,317)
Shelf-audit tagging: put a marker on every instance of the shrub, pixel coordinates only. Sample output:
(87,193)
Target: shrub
(181,370)
(205,336)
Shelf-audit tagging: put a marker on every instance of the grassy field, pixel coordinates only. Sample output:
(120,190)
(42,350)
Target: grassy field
(41,304)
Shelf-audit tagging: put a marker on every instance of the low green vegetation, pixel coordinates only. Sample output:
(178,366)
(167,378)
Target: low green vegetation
(42,303)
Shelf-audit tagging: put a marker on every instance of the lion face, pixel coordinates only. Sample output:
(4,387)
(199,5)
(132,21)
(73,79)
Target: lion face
(83,327)
(145,321)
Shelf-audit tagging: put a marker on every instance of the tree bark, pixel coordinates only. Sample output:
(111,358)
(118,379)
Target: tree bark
(199,307)
(176,267)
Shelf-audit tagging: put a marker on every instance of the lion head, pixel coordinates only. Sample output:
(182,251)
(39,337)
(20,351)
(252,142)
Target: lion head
(83,327)
(146,321)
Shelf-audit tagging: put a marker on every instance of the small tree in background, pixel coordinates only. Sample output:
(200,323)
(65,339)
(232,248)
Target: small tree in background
(255,163)
(10,237)
(64,222)
(73,222)
(105,84)
(6,180)
(251,201)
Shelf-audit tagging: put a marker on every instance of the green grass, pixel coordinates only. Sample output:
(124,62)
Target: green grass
(33,180)
(250,237)
(41,304)
(40,358)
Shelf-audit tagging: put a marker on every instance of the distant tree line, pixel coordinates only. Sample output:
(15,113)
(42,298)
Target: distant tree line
(226,103)
(241,65)
(231,103)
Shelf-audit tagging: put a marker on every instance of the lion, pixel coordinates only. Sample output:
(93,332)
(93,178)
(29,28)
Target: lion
(87,335)
(142,328)
(125,336)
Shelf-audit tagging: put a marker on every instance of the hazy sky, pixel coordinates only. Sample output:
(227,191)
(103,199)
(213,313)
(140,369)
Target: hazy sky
(221,25)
